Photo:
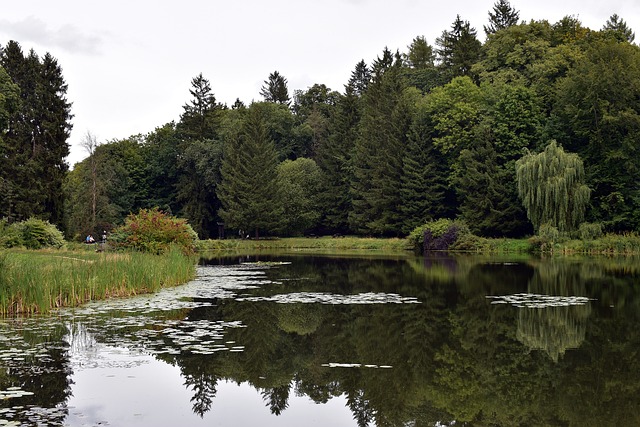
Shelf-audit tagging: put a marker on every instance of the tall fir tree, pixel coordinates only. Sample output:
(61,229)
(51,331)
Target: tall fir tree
(617,27)
(334,157)
(458,49)
(379,150)
(503,16)
(199,158)
(249,188)
(424,177)
(37,134)
(360,78)
(275,89)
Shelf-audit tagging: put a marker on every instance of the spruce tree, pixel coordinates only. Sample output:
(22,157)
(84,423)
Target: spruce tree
(503,16)
(334,157)
(275,89)
(379,150)
(198,158)
(249,189)
(617,27)
(360,78)
(424,174)
(36,134)
(458,49)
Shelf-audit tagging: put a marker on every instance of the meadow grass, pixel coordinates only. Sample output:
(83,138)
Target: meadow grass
(38,281)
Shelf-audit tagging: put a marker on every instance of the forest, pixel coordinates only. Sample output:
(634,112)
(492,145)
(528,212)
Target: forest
(451,129)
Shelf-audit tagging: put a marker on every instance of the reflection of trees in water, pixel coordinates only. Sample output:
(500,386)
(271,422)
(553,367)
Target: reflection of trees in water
(46,376)
(555,329)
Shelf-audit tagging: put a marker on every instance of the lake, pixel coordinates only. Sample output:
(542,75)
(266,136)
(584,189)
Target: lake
(320,340)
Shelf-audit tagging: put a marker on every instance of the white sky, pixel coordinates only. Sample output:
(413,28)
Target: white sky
(129,63)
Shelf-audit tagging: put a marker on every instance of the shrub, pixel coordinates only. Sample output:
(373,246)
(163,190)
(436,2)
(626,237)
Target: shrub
(32,233)
(153,231)
(546,238)
(438,235)
(590,231)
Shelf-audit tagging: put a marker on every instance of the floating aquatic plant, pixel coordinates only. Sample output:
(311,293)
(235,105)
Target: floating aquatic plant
(524,300)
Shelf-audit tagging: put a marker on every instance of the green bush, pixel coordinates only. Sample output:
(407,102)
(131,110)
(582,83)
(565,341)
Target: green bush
(590,231)
(547,237)
(442,234)
(153,231)
(32,233)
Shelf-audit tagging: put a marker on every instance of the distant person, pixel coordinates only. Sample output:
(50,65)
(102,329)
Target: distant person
(90,239)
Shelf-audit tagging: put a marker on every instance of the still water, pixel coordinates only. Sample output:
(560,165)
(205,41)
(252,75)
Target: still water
(289,340)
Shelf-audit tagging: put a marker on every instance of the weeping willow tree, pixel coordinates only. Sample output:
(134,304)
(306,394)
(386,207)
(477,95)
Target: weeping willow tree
(551,187)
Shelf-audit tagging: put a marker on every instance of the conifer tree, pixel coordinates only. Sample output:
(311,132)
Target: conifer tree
(458,49)
(275,89)
(249,188)
(503,16)
(37,134)
(334,157)
(360,78)
(379,150)
(616,26)
(423,184)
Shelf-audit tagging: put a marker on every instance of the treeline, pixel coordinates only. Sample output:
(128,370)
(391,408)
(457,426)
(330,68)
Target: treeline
(432,132)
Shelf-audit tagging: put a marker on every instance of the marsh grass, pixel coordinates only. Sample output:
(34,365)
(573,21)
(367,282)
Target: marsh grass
(38,281)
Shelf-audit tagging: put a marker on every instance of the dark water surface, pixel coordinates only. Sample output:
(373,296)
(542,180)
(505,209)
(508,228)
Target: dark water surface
(289,340)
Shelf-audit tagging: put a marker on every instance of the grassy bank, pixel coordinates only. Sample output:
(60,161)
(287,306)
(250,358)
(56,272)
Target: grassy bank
(38,281)
(308,244)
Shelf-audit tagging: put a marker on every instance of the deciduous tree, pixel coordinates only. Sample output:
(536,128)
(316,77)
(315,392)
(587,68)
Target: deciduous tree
(551,186)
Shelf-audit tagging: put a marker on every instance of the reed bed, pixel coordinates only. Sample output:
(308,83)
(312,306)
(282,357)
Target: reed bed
(38,281)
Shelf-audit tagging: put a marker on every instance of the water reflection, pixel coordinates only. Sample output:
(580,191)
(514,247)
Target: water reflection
(392,342)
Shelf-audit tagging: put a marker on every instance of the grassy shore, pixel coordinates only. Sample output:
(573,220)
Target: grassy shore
(38,281)
(319,244)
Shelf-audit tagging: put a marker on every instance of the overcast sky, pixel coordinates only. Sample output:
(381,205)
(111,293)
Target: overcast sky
(129,63)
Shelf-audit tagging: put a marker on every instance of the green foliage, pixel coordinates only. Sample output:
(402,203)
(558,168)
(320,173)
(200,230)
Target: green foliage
(37,282)
(503,16)
(33,142)
(275,89)
(32,233)
(299,181)
(547,236)
(379,150)
(551,187)
(249,190)
(437,229)
(153,231)
(590,231)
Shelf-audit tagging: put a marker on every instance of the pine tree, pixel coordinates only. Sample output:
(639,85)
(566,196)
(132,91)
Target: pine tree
(275,89)
(249,187)
(503,16)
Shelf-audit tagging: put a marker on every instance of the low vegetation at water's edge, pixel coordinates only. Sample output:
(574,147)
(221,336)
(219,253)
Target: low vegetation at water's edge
(39,281)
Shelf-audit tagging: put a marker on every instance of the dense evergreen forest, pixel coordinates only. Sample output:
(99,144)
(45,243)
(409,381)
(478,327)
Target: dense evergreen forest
(433,132)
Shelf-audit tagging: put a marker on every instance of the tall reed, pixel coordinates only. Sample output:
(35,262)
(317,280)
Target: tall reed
(36,282)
